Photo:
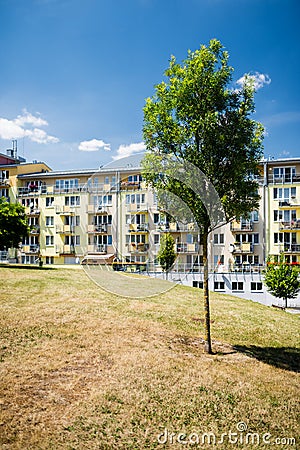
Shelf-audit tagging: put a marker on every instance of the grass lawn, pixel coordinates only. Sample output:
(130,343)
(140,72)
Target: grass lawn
(85,369)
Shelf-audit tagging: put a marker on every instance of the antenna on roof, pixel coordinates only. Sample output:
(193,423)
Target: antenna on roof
(15,147)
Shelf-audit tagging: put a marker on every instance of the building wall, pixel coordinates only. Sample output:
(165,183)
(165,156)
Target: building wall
(111,213)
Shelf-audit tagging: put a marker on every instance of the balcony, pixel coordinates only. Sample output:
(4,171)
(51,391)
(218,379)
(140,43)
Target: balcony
(35,230)
(100,248)
(137,207)
(183,247)
(286,179)
(130,185)
(138,248)
(290,248)
(236,226)
(292,225)
(4,182)
(65,249)
(99,209)
(65,210)
(34,248)
(102,228)
(138,228)
(65,229)
(32,211)
(244,247)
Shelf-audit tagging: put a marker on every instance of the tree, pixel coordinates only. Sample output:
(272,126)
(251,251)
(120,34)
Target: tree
(166,255)
(282,279)
(13,224)
(197,119)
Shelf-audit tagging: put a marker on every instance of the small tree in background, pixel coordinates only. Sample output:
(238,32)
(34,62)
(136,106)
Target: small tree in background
(13,224)
(166,255)
(282,279)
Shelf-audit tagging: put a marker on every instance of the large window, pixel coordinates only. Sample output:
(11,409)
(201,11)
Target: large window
(73,200)
(284,174)
(284,215)
(284,194)
(135,198)
(237,285)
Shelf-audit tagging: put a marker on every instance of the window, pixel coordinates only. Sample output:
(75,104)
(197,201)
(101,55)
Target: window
(255,216)
(237,285)
(49,259)
(285,174)
(255,238)
(198,284)
(49,240)
(49,221)
(219,238)
(106,180)
(77,221)
(156,238)
(284,216)
(135,198)
(155,218)
(219,285)
(256,286)
(284,194)
(77,240)
(49,201)
(73,200)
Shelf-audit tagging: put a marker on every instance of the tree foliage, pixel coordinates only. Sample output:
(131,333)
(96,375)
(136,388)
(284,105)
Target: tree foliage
(13,224)
(196,117)
(282,279)
(166,255)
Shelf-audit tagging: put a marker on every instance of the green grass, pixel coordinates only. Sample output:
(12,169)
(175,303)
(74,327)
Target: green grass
(85,369)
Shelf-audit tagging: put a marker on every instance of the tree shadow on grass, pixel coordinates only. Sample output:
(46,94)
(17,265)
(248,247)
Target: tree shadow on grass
(287,358)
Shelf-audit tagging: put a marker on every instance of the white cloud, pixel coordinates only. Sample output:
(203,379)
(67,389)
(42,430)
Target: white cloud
(28,118)
(93,145)
(259,80)
(15,129)
(10,130)
(128,150)
(40,136)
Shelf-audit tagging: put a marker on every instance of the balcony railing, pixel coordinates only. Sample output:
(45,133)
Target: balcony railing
(65,229)
(98,209)
(241,226)
(33,248)
(285,179)
(138,228)
(290,248)
(4,182)
(137,207)
(183,247)
(35,229)
(65,209)
(245,247)
(100,248)
(102,228)
(65,249)
(138,248)
(292,225)
(32,211)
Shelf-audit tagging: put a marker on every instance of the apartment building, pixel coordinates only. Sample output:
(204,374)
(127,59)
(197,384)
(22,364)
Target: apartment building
(109,214)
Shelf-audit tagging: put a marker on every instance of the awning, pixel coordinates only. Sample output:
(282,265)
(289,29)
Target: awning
(98,259)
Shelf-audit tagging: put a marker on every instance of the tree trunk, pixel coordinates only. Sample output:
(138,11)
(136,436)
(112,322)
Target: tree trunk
(207,344)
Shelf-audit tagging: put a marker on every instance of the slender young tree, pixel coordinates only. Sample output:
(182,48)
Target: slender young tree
(166,255)
(282,279)
(196,117)
(13,224)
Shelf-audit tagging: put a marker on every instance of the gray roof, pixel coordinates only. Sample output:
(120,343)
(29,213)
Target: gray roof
(125,165)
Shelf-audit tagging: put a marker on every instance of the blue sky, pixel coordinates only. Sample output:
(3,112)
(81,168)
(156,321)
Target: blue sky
(75,73)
